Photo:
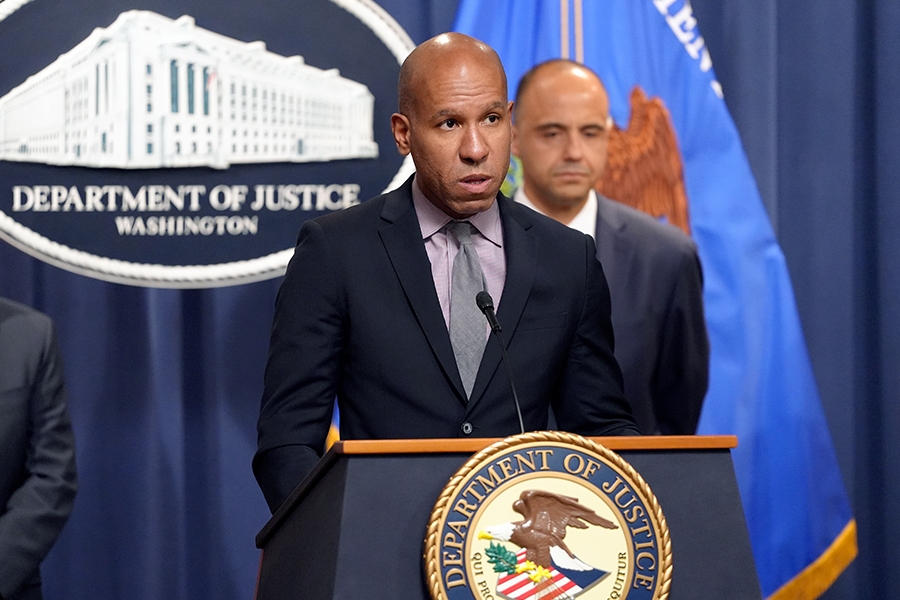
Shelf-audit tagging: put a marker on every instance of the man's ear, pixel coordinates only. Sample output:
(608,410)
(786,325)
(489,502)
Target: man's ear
(513,145)
(400,129)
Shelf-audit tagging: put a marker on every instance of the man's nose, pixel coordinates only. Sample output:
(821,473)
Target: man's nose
(473,146)
(574,148)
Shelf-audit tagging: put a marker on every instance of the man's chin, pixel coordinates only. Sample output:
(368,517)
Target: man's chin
(570,196)
(461,208)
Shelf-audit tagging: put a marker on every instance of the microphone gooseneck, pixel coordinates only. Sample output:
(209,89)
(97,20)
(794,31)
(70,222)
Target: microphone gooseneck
(486,305)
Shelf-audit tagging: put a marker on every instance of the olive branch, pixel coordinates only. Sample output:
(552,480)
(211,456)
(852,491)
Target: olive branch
(503,559)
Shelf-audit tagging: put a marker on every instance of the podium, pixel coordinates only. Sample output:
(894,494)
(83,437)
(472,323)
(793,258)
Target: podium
(354,528)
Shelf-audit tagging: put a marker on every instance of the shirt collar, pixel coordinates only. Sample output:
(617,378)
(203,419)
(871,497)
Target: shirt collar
(586,219)
(432,219)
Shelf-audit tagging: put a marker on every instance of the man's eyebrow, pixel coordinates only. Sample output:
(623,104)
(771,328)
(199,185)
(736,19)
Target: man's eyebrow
(555,125)
(448,112)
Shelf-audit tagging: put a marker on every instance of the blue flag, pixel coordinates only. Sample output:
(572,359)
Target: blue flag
(761,383)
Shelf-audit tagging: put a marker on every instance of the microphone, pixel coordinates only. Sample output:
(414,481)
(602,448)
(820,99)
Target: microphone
(486,305)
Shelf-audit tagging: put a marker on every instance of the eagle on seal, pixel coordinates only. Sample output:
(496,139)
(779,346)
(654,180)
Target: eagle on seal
(542,532)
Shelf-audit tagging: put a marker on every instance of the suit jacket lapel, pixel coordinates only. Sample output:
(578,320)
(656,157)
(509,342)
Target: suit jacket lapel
(612,252)
(521,255)
(402,239)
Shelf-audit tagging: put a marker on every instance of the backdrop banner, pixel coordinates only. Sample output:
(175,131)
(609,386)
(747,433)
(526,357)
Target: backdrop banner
(181,144)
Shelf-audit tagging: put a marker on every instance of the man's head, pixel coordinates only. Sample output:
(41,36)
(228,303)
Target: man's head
(560,134)
(454,118)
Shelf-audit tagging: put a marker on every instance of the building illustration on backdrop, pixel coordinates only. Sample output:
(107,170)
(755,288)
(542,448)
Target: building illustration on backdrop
(151,92)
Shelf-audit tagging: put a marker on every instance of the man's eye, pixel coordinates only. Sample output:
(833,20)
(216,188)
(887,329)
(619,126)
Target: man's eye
(493,118)
(448,124)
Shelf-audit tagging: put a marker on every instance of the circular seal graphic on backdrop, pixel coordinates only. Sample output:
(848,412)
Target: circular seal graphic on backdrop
(547,515)
(183,144)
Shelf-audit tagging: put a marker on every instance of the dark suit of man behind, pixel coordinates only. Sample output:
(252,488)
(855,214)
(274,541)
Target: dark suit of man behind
(656,288)
(358,316)
(656,292)
(37,456)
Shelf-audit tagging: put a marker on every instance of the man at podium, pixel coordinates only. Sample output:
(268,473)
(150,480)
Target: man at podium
(377,307)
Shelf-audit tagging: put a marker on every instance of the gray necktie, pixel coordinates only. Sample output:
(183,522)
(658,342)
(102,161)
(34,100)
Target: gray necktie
(468,333)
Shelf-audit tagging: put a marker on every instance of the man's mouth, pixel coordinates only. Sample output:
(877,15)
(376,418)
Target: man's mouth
(572,174)
(476,183)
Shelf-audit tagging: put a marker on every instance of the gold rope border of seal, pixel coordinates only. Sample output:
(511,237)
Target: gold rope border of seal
(432,538)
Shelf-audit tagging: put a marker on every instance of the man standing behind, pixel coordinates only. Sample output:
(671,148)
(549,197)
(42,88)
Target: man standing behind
(560,133)
(377,306)
(37,453)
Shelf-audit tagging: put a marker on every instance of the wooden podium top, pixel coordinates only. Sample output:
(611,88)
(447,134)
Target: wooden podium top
(472,445)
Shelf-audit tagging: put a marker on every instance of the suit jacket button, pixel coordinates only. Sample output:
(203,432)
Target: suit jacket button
(467,428)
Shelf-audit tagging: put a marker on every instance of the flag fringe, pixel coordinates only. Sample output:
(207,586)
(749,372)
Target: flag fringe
(334,435)
(812,582)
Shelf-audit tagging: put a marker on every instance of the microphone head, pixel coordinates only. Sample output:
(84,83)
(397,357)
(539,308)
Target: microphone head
(484,301)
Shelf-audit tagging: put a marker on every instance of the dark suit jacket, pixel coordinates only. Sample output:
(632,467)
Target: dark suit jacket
(358,318)
(656,287)
(37,456)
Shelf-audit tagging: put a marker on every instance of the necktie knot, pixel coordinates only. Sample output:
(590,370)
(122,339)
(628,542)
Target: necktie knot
(462,231)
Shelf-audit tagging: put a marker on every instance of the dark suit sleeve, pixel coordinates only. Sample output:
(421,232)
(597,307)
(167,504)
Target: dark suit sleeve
(682,376)
(36,511)
(302,369)
(591,401)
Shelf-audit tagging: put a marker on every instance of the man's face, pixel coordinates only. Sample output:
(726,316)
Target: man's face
(560,135)
(458,133)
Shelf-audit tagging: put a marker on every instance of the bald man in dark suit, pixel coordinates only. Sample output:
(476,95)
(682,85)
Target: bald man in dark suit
(560,133)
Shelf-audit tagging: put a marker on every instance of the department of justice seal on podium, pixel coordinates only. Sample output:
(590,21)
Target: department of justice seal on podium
(547,516)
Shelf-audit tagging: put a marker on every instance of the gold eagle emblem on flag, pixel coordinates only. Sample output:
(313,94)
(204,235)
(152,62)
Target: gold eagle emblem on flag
(644,168)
